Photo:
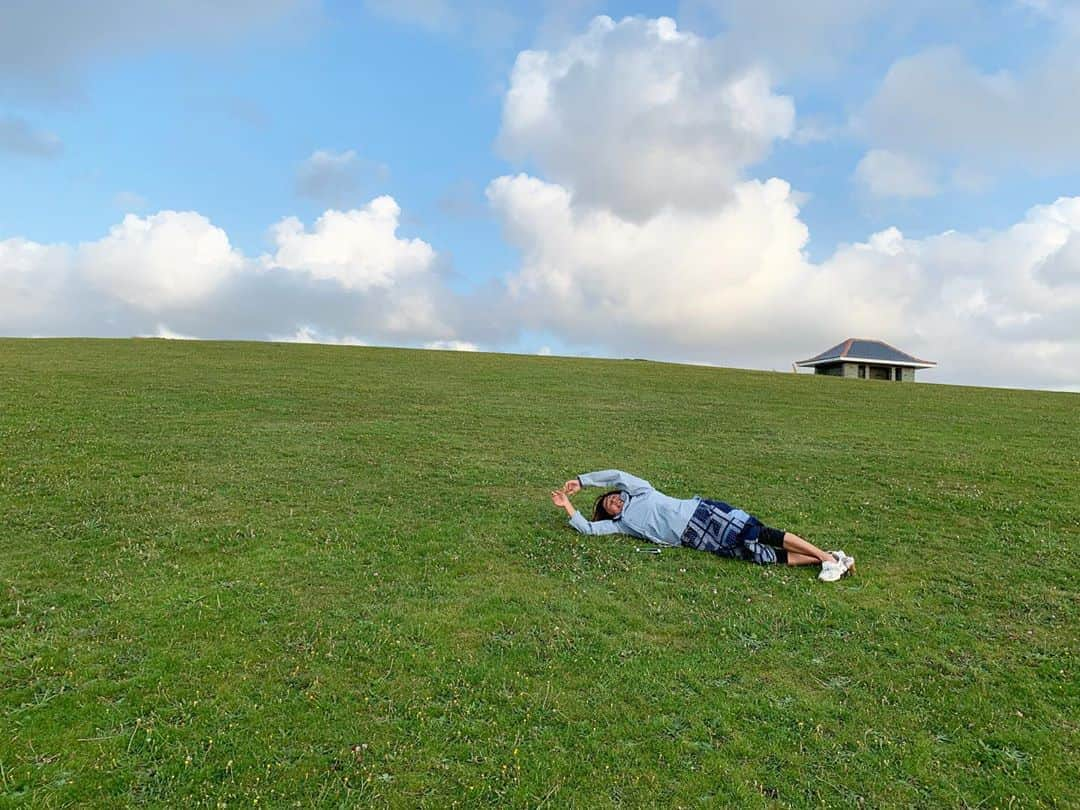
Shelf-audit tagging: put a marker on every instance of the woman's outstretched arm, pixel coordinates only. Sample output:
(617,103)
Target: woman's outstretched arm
(613,479)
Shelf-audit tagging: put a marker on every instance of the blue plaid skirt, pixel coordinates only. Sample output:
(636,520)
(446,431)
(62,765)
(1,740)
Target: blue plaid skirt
(722,529)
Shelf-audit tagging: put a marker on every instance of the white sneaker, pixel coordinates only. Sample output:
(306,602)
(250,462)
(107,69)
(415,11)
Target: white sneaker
(848,562)
(831,570)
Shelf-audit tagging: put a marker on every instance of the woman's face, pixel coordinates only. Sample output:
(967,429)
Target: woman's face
(613,504)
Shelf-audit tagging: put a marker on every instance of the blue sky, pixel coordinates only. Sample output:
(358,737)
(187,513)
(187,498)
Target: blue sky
(949,126)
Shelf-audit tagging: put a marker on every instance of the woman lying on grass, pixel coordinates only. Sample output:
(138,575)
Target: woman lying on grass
(634,507)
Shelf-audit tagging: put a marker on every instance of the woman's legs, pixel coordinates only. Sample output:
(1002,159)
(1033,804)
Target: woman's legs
(801,552)
(774,545)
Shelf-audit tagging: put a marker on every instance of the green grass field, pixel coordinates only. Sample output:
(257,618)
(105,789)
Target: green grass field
(285,575)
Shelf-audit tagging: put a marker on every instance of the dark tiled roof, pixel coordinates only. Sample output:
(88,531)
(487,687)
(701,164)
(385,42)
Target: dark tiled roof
(860,349)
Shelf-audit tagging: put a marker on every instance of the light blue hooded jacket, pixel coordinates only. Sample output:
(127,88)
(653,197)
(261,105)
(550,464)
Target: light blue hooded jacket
(647,513)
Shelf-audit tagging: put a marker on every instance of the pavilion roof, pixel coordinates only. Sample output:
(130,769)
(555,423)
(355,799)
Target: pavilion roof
(863,350)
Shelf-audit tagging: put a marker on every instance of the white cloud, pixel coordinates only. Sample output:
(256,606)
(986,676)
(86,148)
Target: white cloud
(636,115)
(32,278)
(358,249)
(452,345)
(335,178)
(995,308)
(309,334)
(348,280)
(734,287)
(679,283)
(19,137)
(165,333)
(936,103)
(628,259)
(169,259)
(45,45)
(1061,269)
(797,35)
(730,286)
(643,240)
(890,174)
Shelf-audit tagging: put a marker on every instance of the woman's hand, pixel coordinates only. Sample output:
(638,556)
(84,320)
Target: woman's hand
(572,486)
(560,499)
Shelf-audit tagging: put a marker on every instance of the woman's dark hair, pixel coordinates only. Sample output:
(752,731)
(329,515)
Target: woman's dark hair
(599,512)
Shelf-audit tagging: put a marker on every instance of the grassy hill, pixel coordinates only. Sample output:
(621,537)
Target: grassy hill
(285,575)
